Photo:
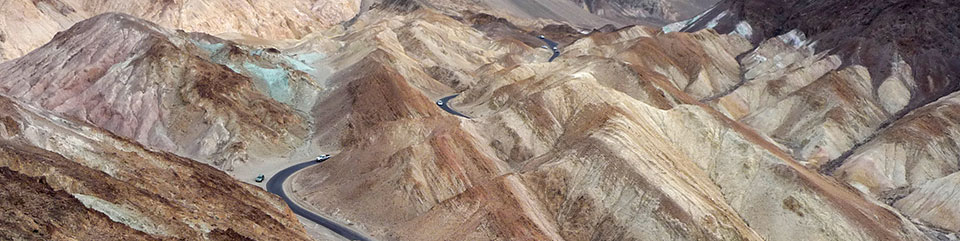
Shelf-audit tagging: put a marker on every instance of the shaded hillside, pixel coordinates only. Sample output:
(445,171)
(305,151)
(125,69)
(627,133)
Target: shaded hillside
(859,90)
(64,178)
(924,34)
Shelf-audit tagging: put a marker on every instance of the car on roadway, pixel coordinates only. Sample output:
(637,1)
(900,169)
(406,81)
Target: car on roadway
(259,178)
(322,158)
(554,48)
(439,102)
(541,36)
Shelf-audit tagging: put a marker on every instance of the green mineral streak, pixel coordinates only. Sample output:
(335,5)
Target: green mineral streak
(277,80)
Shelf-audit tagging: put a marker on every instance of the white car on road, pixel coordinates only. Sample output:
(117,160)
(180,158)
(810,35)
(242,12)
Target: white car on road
(440,103)
(322,158)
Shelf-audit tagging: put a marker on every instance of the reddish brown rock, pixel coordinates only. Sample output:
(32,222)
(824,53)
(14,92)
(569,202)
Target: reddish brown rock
(154,86)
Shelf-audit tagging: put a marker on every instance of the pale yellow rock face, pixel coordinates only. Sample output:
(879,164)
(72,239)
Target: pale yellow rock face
(832,114)
(935,202)
(262,19)
(17,38)
(912,164)
(649,137)
(837,119)
(804,101)
(771,72)
(896,88)
(692,62)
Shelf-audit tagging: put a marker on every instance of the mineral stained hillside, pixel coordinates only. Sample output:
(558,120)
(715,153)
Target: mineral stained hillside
(260,21)
(750,120)
(27,24)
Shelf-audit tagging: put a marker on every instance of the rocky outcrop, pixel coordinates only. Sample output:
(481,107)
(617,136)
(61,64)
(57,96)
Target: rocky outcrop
(912,164)
(745,130)
(598,144)
(268,20)
(917,33)
(656,12)
(860,91)
(52,214)
(65,179)
(159,87)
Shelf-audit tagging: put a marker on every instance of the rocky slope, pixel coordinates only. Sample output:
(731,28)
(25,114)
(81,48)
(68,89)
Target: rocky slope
(595,145)
(166,89)
(276,22)
(581,14)
(748,126)
(270,20)
(866,98)
(655,12)
(912,165)
(44,205)
(63,179)
(105,114)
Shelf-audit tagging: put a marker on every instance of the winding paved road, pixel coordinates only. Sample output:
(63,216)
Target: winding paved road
(275,186)
(446,106)
(550,45)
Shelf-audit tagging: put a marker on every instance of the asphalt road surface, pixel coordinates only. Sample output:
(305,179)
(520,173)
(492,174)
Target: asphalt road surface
(275,186)
(446,106)
(550,45)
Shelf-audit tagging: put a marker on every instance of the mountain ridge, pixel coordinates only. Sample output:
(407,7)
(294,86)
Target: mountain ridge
(718,132)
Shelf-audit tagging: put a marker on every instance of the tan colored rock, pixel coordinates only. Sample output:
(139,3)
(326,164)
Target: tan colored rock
(830,115)
(159,88)
(773,71)
(95,181)
(601,144)
(270,20)
(933,202)
(630,134)
(912,164)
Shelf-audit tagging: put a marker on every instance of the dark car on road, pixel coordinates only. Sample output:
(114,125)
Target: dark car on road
(259,178)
